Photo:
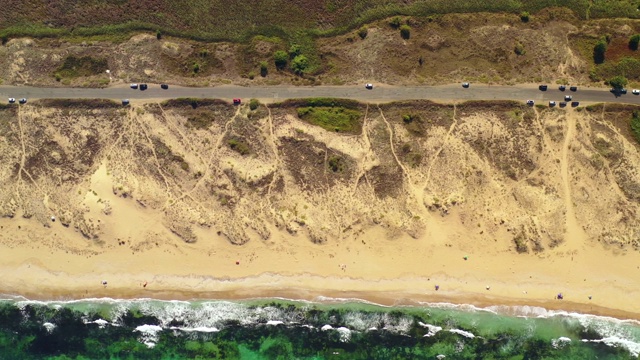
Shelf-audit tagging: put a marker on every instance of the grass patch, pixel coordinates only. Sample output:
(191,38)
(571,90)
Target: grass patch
(74,67)
(194,103)
(338,119)
(80,103)
(628,66)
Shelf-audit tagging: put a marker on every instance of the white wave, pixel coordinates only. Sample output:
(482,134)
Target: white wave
(49,326)
(432,329)
(100,322)
(560,342)
(463,333)
(274,322)
(326,327)
(198,329)
(149,334)
(613,341)
(345,334)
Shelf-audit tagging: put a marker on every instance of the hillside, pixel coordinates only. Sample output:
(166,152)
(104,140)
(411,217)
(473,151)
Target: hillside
(503,174)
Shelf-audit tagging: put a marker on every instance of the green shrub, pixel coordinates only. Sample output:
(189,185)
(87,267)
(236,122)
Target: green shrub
(336,163)
(280,58)
(362,32)
(395,22)
(253,104)
(519,49)
(618,82)
(299,64)
(524,16)
(196,68)
(405,31)
(159,35)
(264,70)
(633,42)
(295,50)
(239,146)
(599,51)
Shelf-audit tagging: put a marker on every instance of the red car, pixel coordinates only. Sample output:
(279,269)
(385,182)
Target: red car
(236,101)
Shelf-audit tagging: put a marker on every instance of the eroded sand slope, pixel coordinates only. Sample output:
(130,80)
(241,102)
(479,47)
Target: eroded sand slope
(527,178)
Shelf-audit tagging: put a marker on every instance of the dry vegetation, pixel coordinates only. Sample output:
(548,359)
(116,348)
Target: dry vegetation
(554,45)
(495,169)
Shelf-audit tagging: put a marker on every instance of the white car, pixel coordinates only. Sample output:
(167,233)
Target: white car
(552,103)
(465,85)
(530,102)
(567,98)
(12,100)
(635,92)
(133,86)
(369,86)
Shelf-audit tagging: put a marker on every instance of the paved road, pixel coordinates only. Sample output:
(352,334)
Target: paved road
(276,93)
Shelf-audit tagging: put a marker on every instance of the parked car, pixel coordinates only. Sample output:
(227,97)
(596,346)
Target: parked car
(164,86)
(568,98)
(237,101)
(12,100)
(125,102)
(530,102)
(635,92)
(623,91)
(369,86)
(562,88)
(542,87)
(133,86)
(143,87)
(573,88)
(552,103)
(465,85)
(563,103)
(575,103)
(23,101)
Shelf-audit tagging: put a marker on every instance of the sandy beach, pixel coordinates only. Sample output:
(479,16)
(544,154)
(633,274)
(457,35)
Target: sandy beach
(38,264)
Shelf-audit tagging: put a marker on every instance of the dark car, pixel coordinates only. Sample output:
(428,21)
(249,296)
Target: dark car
(575,103)
(125,102)
(368,86)
(530,102)
(164,86)
(573,88)
(563,103)
(623,91)
(23,101)
(143,87)
(465,85)
(237,101)
(562,88)
(542,87)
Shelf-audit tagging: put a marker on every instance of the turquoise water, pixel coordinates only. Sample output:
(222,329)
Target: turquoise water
(285,329)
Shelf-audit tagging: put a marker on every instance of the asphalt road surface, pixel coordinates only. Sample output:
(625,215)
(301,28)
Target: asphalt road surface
(377,94)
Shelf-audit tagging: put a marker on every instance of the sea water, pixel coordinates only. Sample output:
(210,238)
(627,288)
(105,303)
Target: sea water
(286,329)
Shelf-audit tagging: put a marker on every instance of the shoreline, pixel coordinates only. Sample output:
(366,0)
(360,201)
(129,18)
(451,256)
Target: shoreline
(505,306)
